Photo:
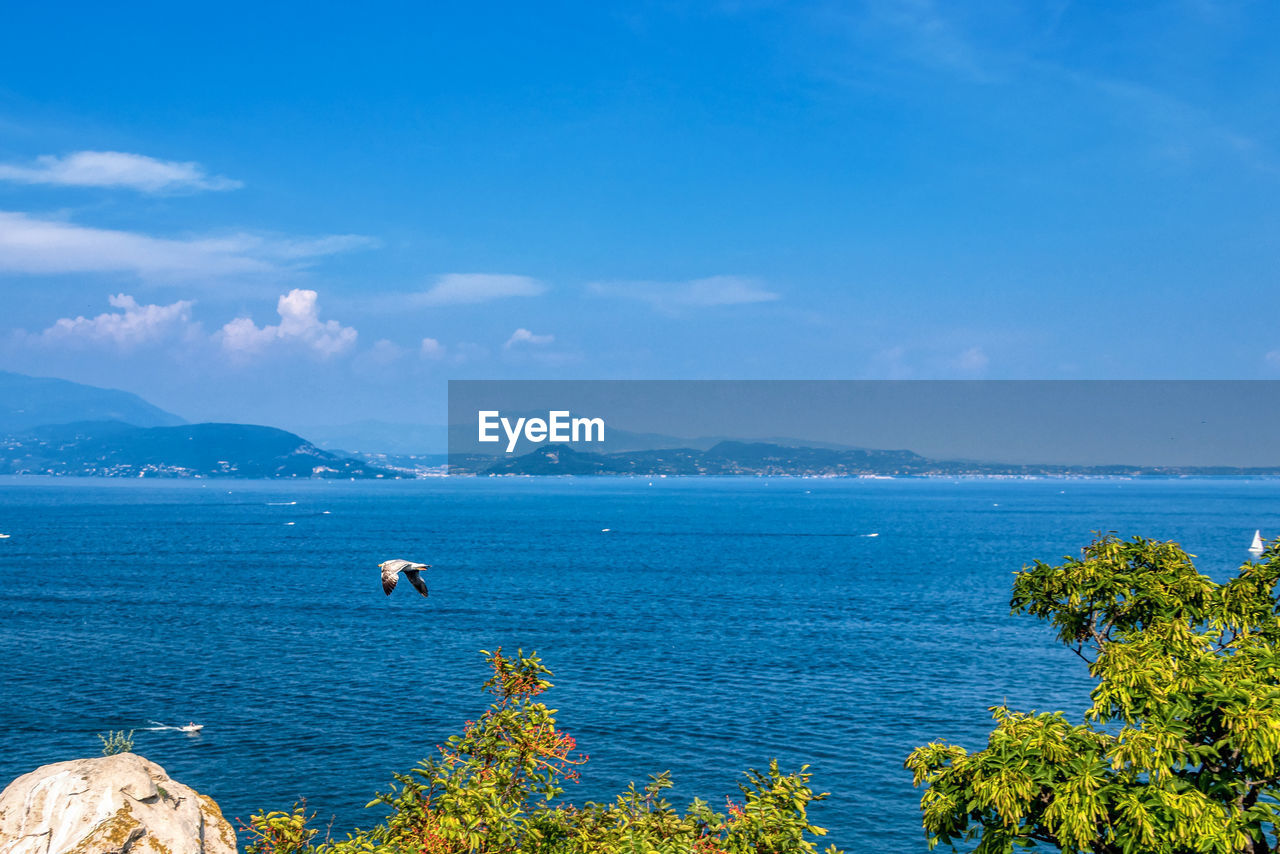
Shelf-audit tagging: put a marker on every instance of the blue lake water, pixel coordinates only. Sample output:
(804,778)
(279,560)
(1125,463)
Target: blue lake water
(720,623)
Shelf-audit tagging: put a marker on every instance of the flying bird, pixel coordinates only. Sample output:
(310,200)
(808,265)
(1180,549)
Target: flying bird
(391,570)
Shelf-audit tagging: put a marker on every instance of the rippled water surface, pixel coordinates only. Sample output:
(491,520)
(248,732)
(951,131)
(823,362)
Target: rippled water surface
(718,624)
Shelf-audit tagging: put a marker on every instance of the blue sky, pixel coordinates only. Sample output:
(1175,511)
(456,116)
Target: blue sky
(312,213)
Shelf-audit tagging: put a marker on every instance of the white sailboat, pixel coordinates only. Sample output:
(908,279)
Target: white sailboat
(1256,545)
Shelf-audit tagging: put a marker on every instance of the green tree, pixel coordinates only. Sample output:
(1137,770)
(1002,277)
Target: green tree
(1179,751)
(494,789)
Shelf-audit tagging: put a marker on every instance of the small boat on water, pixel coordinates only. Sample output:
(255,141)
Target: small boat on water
(191,727)
(4,536)
(1256,545)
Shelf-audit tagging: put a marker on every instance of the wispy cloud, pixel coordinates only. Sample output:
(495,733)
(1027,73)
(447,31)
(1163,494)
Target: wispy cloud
(32,245)
(873,36)
(696,293)
(928,34)
(1015,45)
(133,325)
(1181,130)
(299,325)
(116,169)
(384,352)
(526,347)
(523,336)
(927,357)
(889,363)
(971,362)
(280,248)
(462,288)
(431,349)
(468,351)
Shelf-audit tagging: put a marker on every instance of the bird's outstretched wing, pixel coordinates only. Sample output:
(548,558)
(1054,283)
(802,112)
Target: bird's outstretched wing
(416,579)
(391,570)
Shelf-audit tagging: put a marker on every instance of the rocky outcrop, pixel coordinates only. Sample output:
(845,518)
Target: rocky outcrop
(122,804)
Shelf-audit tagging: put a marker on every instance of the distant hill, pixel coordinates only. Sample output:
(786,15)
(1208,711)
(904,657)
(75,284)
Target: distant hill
(27,402)
(766,459)
(723,458)
(52,426)
(115,449)
(462,439)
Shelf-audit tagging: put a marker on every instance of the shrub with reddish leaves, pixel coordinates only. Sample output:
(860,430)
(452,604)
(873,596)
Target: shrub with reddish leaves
(492,790)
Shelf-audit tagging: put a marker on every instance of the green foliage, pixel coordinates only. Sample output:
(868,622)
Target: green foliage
(1180,751)
(116,742)
(494,789)
(279,832)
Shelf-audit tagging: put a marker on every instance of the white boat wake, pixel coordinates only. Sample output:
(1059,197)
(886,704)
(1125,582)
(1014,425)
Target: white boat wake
(159,727)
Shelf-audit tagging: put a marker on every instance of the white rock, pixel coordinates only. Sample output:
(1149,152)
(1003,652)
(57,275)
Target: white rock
(122,804)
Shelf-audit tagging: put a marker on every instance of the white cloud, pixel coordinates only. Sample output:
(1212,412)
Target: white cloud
(432,349)
(927,35)
(890,363)
(696,293)
(459,288)
(1177,131)
(383,352)
(294,248)
(31,245)
(468,351)
(926,358)
(131,326)
(971,361)
(116,169)
(524,336)
(299,324)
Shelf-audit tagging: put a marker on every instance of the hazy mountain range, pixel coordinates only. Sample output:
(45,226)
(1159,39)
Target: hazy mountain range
(52,426)
(56,427)
(27,402)
(462,439)
(769,459)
